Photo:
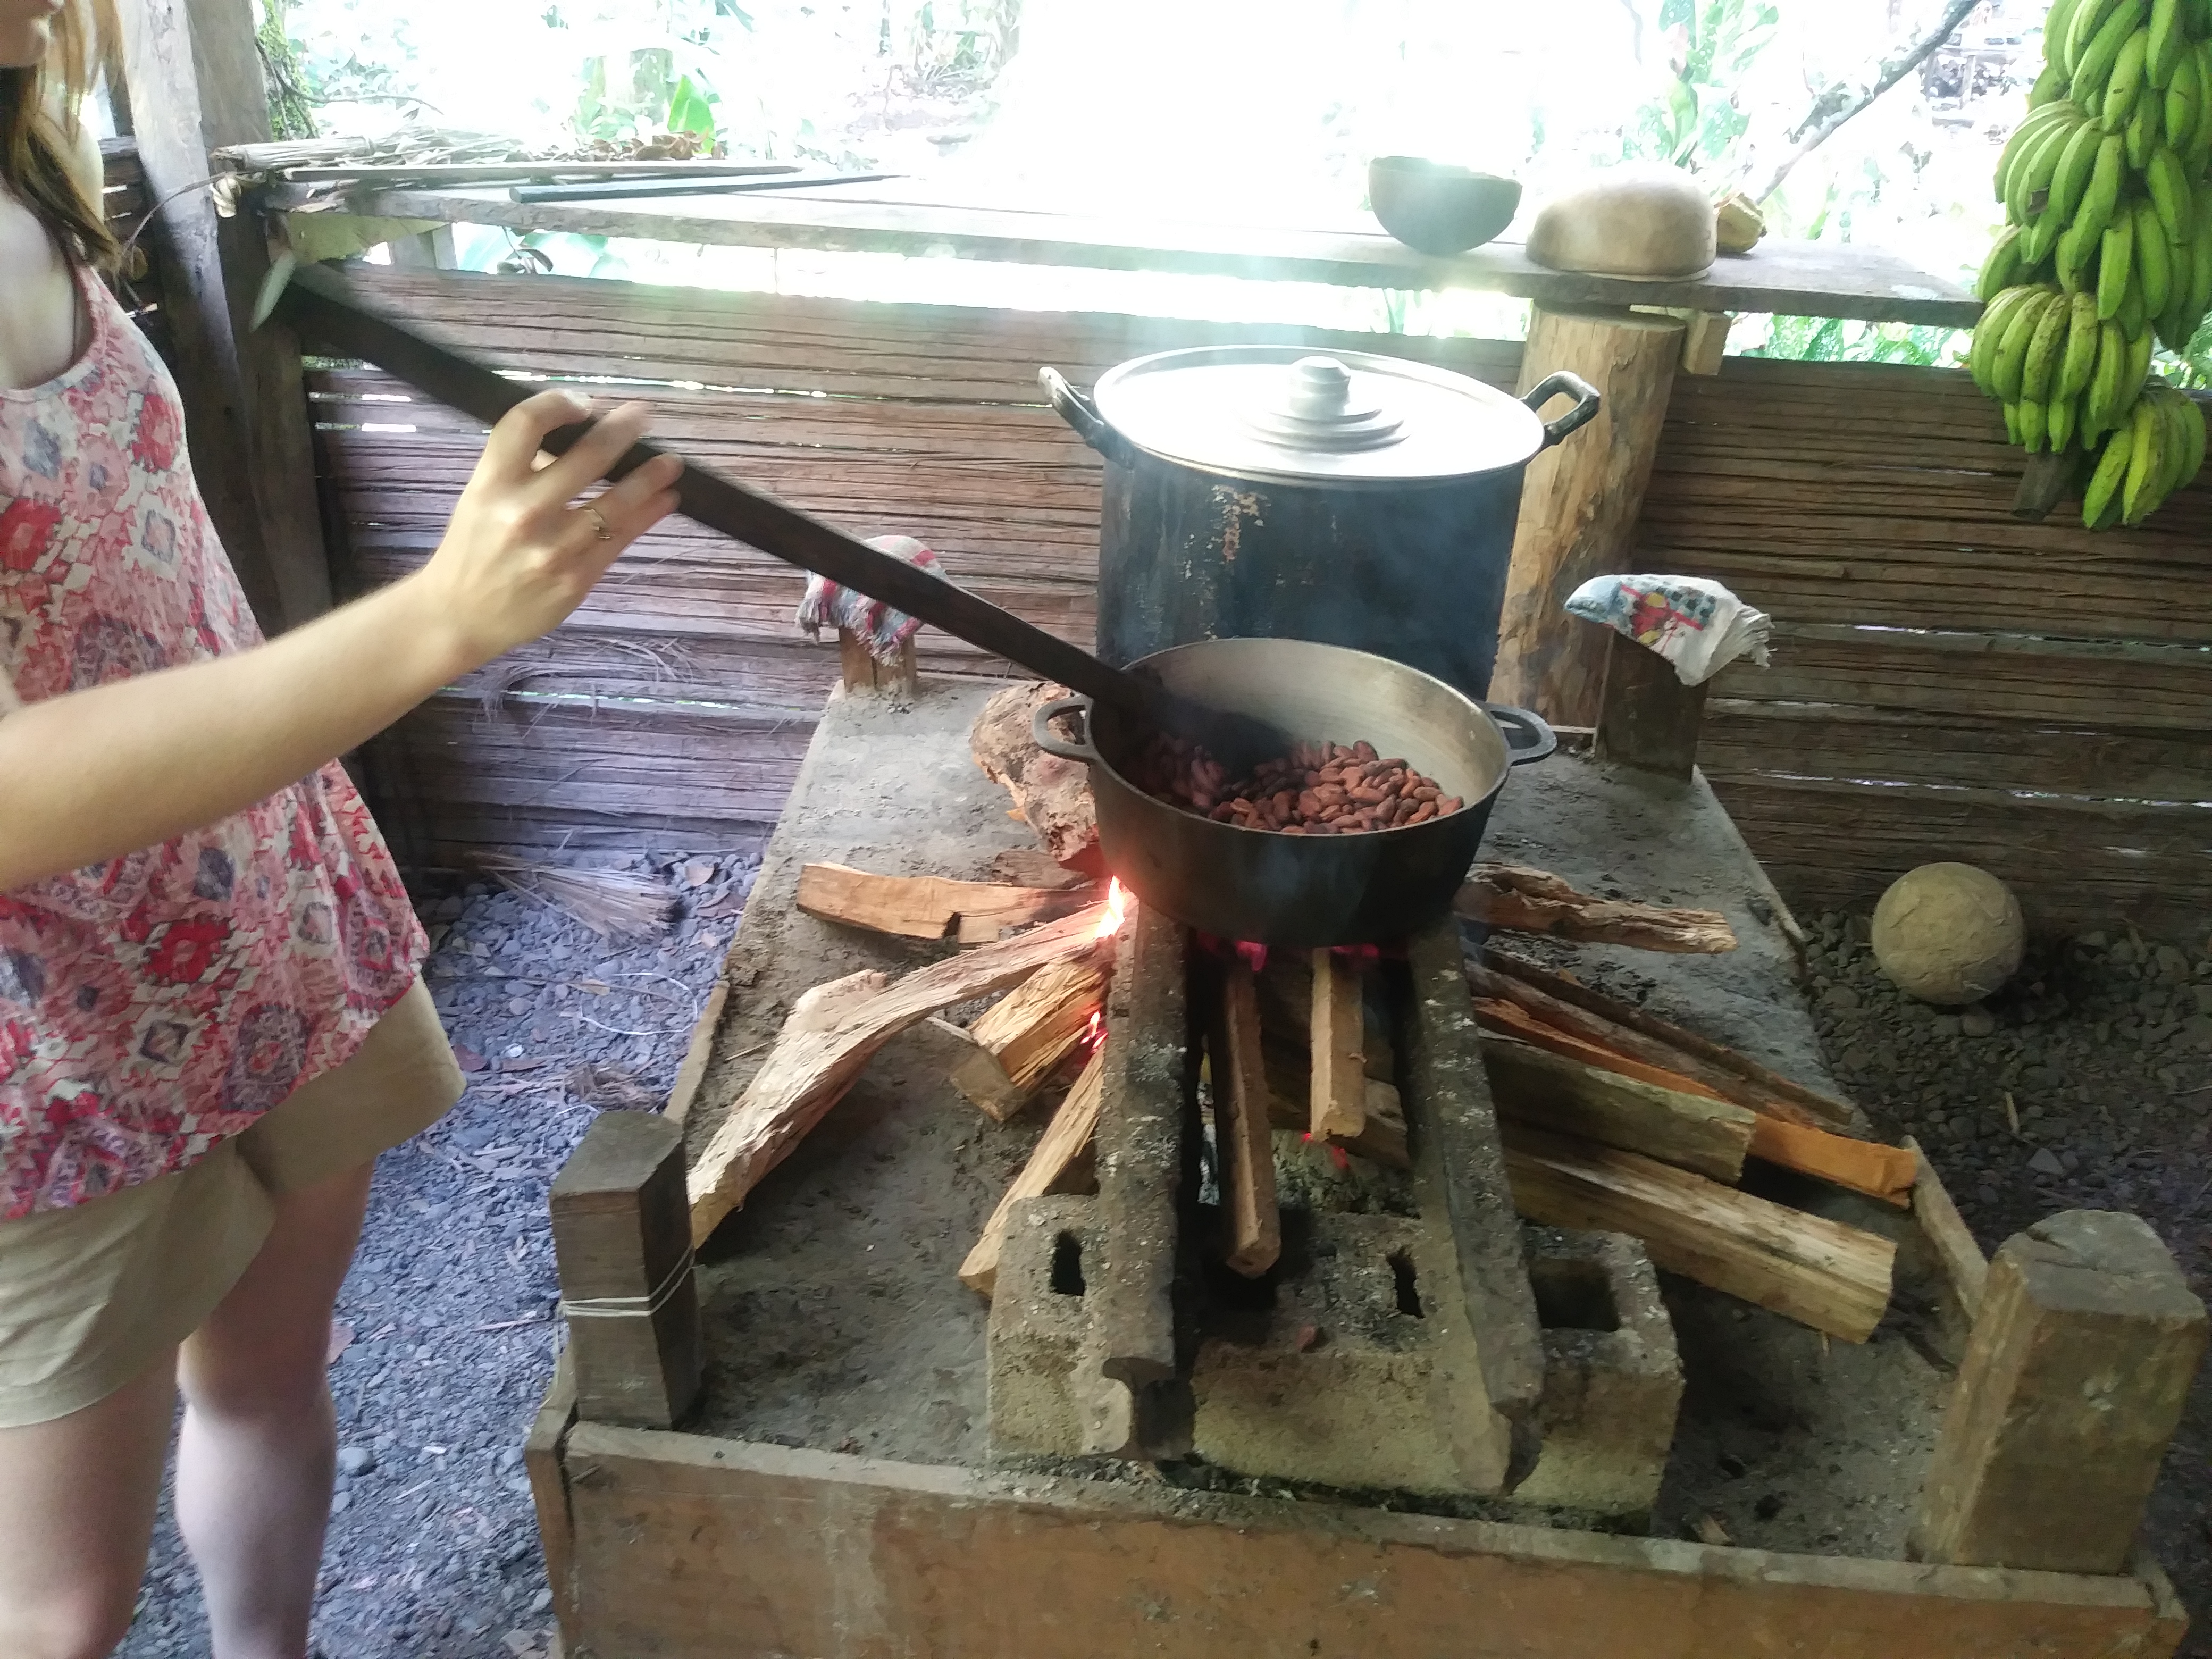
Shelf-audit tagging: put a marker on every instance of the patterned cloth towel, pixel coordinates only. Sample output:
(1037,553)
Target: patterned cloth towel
(1696,624)
(883,629)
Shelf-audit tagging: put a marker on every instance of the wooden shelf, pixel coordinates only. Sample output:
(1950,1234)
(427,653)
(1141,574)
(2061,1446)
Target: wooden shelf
(1816,279)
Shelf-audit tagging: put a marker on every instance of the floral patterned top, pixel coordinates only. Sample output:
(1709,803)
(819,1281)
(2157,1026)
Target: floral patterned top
(155,1005)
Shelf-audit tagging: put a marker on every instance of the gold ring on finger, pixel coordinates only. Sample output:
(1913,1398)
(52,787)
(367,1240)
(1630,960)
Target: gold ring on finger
(600,533)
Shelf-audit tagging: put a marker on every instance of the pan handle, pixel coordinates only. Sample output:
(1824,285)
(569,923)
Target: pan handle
(1584,411)
(1052,743)
(1536,738)
(1080,412)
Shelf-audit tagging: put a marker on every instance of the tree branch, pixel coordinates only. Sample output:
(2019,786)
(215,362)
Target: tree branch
(1830,111)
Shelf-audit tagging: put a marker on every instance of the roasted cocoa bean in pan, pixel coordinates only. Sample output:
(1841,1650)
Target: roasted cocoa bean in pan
(1318,789)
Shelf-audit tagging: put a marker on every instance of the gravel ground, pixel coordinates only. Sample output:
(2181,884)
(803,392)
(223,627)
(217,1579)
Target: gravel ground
(446,1323)
(2087,1084)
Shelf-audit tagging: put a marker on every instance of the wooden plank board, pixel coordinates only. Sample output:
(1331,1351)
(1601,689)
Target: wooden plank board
(698,1548)
(1825,279)
(1544,1090)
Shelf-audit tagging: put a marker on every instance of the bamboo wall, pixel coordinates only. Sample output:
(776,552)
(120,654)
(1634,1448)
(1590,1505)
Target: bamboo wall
(1948,681)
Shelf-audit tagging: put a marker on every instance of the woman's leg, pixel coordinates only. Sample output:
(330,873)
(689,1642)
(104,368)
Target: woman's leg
(259,1443)
(77,1513)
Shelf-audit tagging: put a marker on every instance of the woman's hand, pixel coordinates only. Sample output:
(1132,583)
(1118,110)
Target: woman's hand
(516,559)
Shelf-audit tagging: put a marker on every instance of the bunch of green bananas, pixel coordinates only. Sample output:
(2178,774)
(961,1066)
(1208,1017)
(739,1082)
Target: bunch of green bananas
(2107,244)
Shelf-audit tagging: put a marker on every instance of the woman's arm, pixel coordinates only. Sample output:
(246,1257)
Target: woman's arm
(94,774)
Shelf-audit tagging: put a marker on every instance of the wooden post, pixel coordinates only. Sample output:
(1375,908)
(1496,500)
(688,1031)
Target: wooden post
(2079,1361)
(622,1241)
(195,81)
(1646,717)
(1580,500)
(862,673)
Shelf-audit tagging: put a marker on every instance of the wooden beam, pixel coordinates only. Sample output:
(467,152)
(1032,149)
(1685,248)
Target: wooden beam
(1518,900)
(1337,1094)
(1580,501)
(623,1245)
(195,77)
(1556,1000)
(1020,1040)
(1565,1096)
(2075,1373)
(692,1546)
(1059,1163)
(832,1033)
(926,907)
(1646,717)
(692,1073)
(1834,1278)
(1141,1164)
(1242,1133)
(1952,1241)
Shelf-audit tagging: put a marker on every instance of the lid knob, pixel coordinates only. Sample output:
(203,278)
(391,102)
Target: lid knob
(1320,389)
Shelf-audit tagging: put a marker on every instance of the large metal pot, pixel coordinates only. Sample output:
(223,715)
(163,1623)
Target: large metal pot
(1353,499)
(1297,890)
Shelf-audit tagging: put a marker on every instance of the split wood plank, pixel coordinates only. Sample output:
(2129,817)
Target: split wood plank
(1864,1166)
(1055,1166)
(1564,1096)
(1242,1132)
(683,1093)
(1382,1137)
(832,1033)
(924,906)
(1032,866)
(1947,1231)
(1019,1042)
(1574,1006)
(1519,900)
(1336,1096)
(1834,1278)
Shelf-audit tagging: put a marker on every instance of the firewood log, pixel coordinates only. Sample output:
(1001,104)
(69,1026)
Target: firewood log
(832,1032)
(1021,1040)
(1053,795)
(926,907)
(1518,900)
(1052,1167)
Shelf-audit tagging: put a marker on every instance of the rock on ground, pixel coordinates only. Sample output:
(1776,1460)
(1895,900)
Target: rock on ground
(446,1323)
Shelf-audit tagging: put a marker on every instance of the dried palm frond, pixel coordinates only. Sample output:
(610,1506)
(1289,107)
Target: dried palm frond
(613,903)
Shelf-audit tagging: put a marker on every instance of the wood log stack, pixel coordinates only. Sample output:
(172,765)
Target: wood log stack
(1617,1120)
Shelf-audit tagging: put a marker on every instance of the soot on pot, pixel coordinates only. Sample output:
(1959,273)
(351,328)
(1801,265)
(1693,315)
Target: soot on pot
(1319,789)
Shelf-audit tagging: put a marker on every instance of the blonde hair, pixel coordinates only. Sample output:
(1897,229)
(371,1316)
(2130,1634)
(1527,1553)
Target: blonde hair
(39,126)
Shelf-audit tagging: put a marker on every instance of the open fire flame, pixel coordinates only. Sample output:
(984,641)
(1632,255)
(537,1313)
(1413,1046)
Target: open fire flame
(1117,910)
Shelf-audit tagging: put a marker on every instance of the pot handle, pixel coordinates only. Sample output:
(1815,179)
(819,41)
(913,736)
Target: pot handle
(1537,740)
(1584,411)
(1052,743)
(1080,412)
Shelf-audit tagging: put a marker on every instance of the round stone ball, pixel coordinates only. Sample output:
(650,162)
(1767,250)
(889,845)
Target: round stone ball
(1948,934)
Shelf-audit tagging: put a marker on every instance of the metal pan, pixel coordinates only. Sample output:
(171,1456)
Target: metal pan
(1301,890)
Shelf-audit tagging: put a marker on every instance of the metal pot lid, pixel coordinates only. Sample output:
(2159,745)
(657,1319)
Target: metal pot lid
(1282,413)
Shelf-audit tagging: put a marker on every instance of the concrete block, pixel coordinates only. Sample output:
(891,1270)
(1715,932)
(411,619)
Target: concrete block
(1039,1331)
(1363,1372)
(1612,1377)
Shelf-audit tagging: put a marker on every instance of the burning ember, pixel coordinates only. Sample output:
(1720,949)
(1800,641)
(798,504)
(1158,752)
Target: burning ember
(1093,1034)
(1117,910)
